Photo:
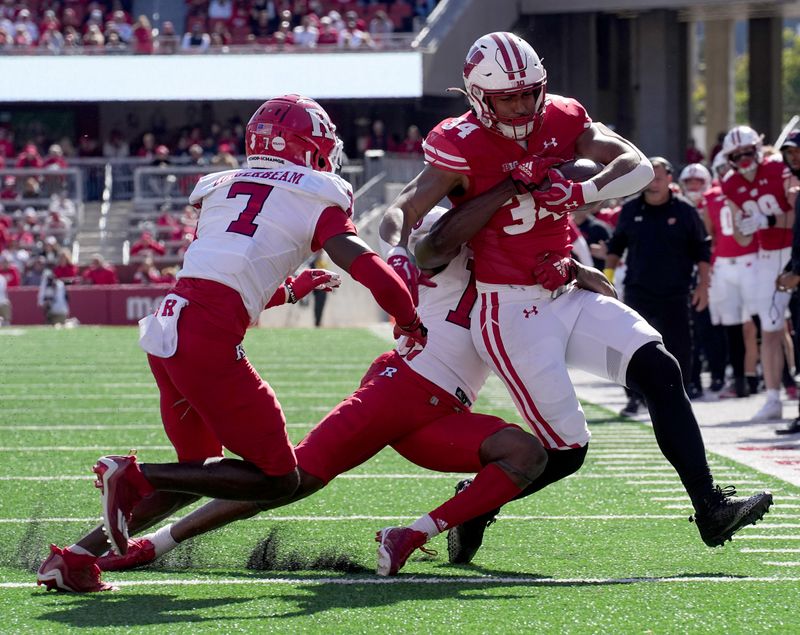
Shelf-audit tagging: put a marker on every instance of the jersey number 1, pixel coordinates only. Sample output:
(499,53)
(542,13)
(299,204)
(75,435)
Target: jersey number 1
(460,315)
(257,194)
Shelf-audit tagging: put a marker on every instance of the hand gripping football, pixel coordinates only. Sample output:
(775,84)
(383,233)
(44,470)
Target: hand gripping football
(577,170)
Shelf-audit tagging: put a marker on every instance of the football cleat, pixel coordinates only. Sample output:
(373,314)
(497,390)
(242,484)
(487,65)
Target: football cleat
(64,570)
(464,540)
(735,390)
(122,485)
(396,545)
(140,552)
(723,516)
(631,409)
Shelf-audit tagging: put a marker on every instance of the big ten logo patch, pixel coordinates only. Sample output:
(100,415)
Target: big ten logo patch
(136,307)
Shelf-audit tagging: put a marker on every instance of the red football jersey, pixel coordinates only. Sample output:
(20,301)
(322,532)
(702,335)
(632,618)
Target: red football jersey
(765,194)
(512,242)
(725,245)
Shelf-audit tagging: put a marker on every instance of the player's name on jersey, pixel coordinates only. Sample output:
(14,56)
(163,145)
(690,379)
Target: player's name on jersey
(290,176)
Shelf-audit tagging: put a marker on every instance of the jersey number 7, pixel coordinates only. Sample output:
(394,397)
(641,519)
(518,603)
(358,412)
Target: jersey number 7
(257,194)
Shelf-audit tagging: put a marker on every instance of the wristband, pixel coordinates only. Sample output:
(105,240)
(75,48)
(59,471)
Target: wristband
(771,221)
(292,298)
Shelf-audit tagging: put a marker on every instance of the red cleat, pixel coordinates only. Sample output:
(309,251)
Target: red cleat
(123,485)
(73,572)
(396,545)
(140,552)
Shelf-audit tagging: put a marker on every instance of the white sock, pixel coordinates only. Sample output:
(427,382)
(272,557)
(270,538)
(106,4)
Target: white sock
(79,550)
(773,394)
(162,540)
(425,523)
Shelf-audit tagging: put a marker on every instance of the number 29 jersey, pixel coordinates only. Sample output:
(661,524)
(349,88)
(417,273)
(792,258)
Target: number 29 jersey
(256,227)
(449,359)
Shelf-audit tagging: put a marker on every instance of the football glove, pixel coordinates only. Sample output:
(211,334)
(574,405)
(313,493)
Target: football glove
(750,224)
(310,280)
(562,196)
(531,171)
(399,261)
(415,332)
(554,271)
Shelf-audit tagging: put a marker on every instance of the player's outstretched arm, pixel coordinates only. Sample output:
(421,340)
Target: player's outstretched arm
(365,266)
(295,289)
(460,224)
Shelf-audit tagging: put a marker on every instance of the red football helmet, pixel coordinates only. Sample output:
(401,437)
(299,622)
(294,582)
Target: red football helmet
(292,129)
(504,64)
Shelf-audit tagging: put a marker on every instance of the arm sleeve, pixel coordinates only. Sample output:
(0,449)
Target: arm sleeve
(389,291)
(332,222)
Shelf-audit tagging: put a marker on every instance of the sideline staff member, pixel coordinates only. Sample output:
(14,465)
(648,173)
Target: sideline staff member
(665,239)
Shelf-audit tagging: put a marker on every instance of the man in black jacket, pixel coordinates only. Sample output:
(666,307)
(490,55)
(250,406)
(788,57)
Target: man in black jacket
(665,239)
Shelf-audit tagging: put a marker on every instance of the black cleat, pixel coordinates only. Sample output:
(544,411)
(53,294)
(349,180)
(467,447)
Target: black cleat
(464,540)
(631,409)
(792,428)
(723,516)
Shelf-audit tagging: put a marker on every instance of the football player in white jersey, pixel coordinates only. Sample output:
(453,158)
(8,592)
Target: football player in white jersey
(257,225)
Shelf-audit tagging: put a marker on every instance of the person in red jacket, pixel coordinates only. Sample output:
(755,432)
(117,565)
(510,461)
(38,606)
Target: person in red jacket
(147,244)
(10,272)
(99,272)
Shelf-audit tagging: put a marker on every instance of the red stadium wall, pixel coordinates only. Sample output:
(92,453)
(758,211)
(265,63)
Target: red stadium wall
(113,304)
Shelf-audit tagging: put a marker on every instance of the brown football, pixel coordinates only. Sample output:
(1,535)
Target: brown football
(577,170)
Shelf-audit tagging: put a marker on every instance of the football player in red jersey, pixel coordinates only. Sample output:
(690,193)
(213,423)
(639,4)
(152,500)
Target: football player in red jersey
(491,162)
(731,296)
(256,227)
(761,199)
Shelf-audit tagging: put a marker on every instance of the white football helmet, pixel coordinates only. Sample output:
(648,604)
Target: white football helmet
(423,226)
(502,63)
(695,171)
(740,138)
(719,166)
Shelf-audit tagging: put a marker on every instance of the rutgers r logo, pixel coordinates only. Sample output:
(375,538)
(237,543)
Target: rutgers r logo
(389,371)
(529,312)
(240,354)
(169,305)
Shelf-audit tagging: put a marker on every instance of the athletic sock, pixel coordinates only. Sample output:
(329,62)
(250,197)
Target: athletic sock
(491,488)
(162,540)
(773,394)
(425,524)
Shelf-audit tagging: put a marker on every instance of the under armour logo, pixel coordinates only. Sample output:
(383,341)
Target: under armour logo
(529,312)
(762,181)
(389,371)
(552,143)
(240,354)
(572,205)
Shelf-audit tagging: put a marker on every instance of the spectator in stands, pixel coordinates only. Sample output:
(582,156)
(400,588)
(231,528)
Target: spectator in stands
(22,38)
(261,27)
(31,188)
(65,269)
(166,42)
(283,37)
(25,22)
(142,36)
(328,36)
(93,38)
(116,147)
(401,12)
(147,272)
(34,272)
(52,41)
(167,226)
(9,271)
(89,147)
(5,303)
(306,33)
(72,39)
(380,27)
(354,35)
(61,203)
(50,22)
(197,155)
(29,157)
(114,43)
(161,156)
(52,298)
(147,245)
(224,157)
(9,191)
(220,35)
(378,138)
(220,10)
(99,272)
(50,250)
(55,158)
(196,40)
(70,19)
(119,22)
(58,227)
(412,144)
(6,142)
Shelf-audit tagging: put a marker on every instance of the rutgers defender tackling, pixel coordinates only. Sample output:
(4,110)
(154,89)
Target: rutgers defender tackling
(762,203)
(532,322)
(256,226)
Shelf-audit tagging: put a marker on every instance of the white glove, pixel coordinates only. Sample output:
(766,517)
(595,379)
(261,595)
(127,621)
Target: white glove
(751,224)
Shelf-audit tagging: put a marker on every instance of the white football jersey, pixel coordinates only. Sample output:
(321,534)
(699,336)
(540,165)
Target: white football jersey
(449,359)
(256,227)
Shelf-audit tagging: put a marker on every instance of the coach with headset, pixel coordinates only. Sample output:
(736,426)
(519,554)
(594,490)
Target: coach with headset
(665,239)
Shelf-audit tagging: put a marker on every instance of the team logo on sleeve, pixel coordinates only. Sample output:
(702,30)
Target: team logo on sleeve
(240,354)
